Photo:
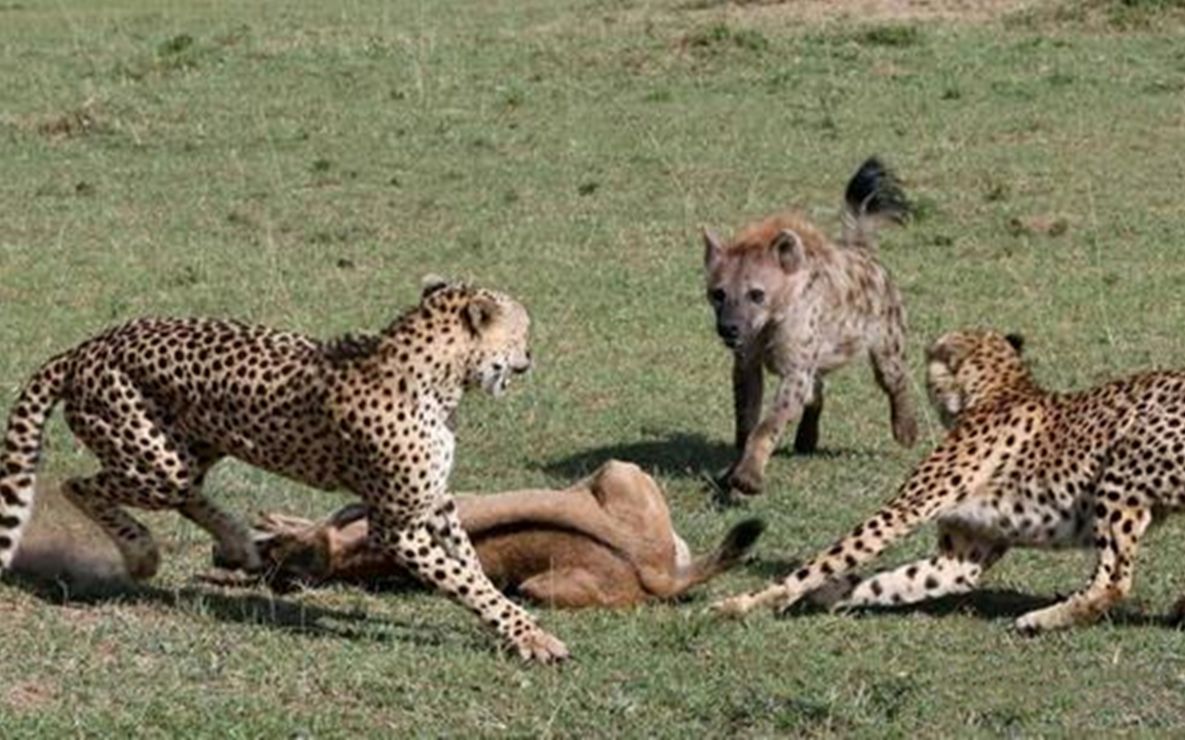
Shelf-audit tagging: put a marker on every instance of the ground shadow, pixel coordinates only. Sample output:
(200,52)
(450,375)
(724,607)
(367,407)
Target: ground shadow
(672,455)
(256,608)
(1004,604)
(676,455)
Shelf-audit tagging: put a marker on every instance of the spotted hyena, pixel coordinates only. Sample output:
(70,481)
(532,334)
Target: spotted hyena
(789,299)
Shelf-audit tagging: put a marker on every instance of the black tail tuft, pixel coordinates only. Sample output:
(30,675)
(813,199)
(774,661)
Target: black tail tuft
(875,191)
(741,538)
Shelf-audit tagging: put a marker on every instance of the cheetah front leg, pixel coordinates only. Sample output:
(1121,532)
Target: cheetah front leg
(794,392)
(961,561)
(930,490)
(454,570)
(1117,531)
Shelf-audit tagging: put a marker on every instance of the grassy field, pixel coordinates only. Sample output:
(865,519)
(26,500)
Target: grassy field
(303,164)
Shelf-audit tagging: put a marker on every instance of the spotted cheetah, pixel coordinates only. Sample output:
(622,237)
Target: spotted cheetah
(788,299)
(160,401)
(1019,467)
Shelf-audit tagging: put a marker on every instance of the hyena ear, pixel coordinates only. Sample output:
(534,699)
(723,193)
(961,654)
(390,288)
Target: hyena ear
(788,247)
(430,284)
(712,248)
(1017,341)
(480,313)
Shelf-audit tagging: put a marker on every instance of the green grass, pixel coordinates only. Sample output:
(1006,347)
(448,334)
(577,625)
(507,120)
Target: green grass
(303,164)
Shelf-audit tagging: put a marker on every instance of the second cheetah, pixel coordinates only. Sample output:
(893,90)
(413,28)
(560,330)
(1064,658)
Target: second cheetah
(1020,467)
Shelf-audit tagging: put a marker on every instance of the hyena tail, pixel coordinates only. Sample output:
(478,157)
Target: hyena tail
(22,450)
(873,196)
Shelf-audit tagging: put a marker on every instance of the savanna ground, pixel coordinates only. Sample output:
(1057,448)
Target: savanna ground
(303,164)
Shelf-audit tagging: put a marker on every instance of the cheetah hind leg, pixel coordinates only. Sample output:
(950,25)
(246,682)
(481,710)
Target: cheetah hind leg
(95,496)
(956,568)
(1117,535)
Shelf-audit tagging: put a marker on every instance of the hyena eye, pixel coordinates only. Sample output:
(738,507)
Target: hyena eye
(757,295)
(716,296)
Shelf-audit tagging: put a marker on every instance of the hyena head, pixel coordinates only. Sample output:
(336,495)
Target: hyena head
(756,277)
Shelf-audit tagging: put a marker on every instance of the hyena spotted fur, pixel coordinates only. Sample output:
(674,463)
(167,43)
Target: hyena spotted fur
(792,301)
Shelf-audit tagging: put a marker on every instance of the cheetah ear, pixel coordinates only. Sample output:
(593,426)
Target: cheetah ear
(480,313)
(787,245)
(430,284)
(1017,341)
(712,249)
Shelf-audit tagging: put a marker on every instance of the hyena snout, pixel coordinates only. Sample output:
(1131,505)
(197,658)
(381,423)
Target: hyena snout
(729,331)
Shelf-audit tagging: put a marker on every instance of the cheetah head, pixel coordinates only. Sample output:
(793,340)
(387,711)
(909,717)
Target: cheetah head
(963,367)
(499,328)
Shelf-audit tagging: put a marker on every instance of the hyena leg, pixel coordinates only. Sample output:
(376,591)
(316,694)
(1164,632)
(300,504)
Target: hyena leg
(748,386)
(1117,530)
(960,562)
(892,375)
(414,546)
(806,439)
(794,391)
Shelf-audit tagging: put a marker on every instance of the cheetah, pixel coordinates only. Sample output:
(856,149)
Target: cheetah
(159,401)
(789,300)
(1019,467)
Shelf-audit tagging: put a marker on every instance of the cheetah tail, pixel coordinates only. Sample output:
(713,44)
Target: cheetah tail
(729,553)
(873,196)
(22,450)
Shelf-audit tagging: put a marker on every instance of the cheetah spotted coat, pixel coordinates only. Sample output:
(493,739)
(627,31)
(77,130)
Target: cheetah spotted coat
(1020,467)
(160,401)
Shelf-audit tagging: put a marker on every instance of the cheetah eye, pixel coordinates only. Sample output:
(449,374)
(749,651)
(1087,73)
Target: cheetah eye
(716,296)
(757,295)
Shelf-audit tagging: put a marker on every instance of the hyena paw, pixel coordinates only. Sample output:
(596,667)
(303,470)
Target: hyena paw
(746,478)
(905,430)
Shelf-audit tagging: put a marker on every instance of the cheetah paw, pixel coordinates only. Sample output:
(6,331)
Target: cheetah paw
(1036,622)
(734,607)
(541,647)
(242,556)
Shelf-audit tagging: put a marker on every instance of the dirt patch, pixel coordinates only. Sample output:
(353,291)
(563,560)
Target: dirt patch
(869,11)
(84,120)
(29,696)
